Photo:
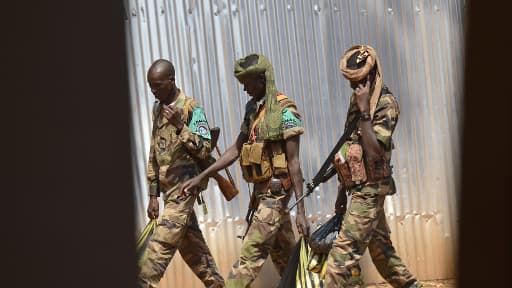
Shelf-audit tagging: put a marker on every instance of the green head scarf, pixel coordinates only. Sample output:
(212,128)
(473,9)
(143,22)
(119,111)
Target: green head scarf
(273,111)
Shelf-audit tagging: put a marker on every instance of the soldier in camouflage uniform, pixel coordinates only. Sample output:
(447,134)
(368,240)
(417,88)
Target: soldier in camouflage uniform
(180,135)
(268,147)
(364,225)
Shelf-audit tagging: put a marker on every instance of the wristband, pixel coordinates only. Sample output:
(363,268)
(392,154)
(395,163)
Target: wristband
(365,116)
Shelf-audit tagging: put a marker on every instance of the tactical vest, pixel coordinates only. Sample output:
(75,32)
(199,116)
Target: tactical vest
(262,160)
(352,166)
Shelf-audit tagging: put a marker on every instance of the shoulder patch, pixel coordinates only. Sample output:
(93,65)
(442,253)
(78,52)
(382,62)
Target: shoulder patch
(289,120)
(198,124)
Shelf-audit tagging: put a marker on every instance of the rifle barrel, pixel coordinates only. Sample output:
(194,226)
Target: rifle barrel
(310,186)
(309,190)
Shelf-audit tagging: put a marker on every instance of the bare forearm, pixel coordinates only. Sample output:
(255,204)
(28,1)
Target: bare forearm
(224,161)
(292,153)
(297,183)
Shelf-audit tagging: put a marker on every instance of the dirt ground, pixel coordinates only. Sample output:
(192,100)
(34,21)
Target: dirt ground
(447,283)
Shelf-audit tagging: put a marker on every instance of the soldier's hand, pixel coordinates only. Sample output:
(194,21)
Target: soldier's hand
(302,225)
(174,115)
(362,92)
(189,187)
(153,207)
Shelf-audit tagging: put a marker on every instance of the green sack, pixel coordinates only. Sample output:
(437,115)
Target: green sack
(142,241)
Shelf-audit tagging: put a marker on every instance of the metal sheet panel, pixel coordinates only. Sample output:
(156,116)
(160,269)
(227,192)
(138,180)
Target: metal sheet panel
(420,45)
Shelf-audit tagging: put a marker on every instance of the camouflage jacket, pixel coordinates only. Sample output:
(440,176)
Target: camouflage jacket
(172,155)
(384,122)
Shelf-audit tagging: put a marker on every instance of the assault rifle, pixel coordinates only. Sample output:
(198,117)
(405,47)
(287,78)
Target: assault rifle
(328,170)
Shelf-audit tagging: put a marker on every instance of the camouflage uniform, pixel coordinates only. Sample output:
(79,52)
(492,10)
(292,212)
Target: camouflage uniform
(364,225)
(271,230)
(170,158)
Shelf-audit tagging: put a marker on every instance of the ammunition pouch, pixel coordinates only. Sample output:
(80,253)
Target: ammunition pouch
(378,169)
(256,166)
(279,163)
(351,169)
(343,172)
(354,170)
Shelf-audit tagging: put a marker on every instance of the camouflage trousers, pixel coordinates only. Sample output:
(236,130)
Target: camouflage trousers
(178,230)
(270,233)
(364,226)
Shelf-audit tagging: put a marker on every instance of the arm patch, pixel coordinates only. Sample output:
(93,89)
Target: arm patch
(289,120)
(198,124)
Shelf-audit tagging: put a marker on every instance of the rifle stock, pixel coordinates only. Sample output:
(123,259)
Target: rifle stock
(226,186)
(228,190)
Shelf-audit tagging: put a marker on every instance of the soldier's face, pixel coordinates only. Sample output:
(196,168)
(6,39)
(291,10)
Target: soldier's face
(370,77)
(255,87)
(162,86)
(354,84)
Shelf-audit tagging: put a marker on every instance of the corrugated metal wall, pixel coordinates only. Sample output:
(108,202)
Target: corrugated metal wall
(420,45)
